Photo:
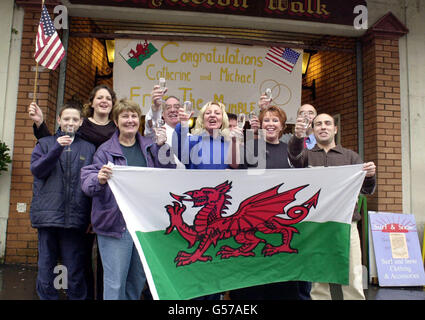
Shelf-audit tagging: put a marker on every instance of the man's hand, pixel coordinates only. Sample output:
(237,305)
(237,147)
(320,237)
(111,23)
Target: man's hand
(300,129)
(35,114)
(370,169)
(156,96)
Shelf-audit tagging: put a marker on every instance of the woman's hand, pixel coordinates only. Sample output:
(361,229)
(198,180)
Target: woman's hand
(104,174)
(35,114)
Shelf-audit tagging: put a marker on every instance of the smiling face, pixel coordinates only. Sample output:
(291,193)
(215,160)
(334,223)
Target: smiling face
(102,102)
(324,130)
(213,118)
(128,123)
(273,126)
(171,112)
(69,118)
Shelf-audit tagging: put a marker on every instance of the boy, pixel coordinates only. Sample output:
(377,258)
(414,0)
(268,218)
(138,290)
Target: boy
(59,209)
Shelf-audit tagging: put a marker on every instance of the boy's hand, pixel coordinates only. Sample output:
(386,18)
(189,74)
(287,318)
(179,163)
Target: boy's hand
(104,174)
(64,140)
(35,114)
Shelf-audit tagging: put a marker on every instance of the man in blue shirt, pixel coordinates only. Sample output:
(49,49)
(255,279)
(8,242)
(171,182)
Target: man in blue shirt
(308,111)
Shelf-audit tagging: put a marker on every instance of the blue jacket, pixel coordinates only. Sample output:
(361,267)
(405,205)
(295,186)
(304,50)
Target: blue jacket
(58,200)
(211,153)
(106,216)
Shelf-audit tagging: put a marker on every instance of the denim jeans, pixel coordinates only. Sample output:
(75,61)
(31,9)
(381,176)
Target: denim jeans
(123,275)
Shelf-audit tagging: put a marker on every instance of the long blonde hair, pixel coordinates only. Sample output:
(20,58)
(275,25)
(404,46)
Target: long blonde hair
(199,128)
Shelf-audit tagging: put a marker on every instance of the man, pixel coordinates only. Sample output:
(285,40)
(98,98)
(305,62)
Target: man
(233,120)
(307,111)
(327,153)
(170,114)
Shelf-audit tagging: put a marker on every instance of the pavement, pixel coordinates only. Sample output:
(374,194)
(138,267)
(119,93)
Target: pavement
(17,282)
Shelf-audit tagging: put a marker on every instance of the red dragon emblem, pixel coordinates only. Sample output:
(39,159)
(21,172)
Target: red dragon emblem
(256,213)
(141,49)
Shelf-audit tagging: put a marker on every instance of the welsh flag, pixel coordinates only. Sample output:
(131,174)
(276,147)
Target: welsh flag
(137,52)
(200,232)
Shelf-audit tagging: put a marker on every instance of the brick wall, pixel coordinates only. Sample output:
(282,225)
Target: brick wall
(336,90)
(83,57)
(383,120)
(336,93)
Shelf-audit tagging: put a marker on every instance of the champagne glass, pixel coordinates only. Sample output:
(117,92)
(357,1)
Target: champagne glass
(69,131)
(188,107)
(158,123)
(241,120)
(269,94)
(252,115)
(162,87)
(306,120)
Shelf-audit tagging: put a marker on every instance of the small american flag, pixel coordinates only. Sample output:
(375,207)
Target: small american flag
(284,58)
(48,47)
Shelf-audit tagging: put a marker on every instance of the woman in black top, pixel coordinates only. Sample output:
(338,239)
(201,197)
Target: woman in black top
(97,125)
(275,156)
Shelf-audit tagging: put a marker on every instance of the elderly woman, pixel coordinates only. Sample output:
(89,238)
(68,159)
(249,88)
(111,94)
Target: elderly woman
(209,146)
(271,155)
(124,278)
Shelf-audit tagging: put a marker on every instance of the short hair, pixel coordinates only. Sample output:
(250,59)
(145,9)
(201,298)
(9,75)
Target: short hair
(232,116)
(88,110)
(165,102)
(277,112)
(333,118)
(71,104)
(125,105)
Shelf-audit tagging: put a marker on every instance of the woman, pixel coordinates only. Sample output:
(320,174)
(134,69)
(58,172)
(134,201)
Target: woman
(273,156)
(123,272)
(209,145)
(97,125)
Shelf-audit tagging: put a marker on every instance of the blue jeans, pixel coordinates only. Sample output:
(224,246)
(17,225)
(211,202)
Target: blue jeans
(123,275)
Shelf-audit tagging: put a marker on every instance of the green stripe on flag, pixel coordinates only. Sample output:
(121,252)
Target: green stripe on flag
(133,62)
(322,257)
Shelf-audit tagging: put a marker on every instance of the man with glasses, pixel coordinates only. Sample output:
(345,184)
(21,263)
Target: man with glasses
(170,114)
(307,111)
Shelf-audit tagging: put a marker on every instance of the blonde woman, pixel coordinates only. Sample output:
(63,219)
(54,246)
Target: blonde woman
(210,143)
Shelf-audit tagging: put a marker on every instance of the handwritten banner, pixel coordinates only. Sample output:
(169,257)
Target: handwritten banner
(201,72)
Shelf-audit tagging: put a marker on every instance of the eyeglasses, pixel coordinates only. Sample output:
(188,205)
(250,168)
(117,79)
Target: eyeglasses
(175,106)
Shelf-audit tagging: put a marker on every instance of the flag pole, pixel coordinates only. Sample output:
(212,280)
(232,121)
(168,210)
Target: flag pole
(34,96)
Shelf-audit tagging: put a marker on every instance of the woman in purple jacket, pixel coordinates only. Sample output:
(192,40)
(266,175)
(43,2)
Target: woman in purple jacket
(124,277)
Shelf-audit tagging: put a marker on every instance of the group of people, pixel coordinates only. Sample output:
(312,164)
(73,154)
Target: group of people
(72,201)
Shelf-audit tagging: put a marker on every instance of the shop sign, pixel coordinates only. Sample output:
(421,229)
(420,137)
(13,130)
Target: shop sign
(327,11)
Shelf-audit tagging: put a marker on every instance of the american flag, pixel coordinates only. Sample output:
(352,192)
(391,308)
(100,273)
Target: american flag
(284,58)
(48,47)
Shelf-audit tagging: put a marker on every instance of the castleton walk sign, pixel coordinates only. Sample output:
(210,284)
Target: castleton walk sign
(327,11)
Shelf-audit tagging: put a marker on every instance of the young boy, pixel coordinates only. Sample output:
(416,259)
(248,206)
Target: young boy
(59,209)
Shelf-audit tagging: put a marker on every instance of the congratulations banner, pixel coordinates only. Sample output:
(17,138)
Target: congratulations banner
(201,72)
(200,232)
